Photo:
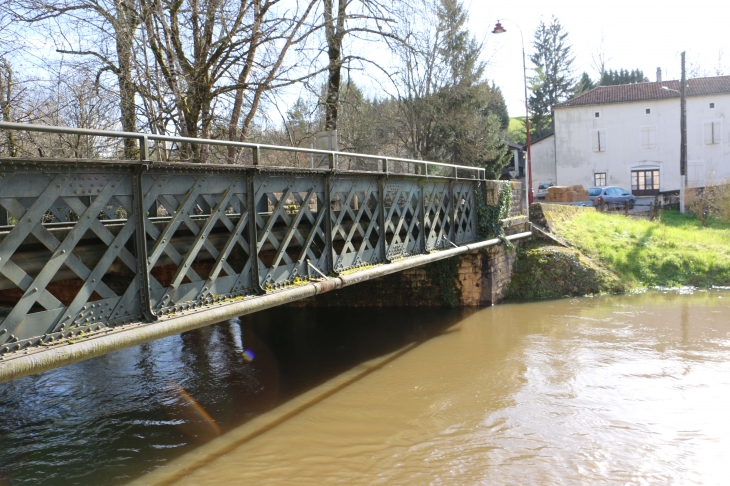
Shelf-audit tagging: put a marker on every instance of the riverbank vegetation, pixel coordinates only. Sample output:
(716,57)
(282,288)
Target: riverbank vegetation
(674,250)
(544,271)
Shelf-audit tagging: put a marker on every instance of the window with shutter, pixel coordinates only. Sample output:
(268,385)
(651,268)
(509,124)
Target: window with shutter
(649,137)
(713,132)
(598,140)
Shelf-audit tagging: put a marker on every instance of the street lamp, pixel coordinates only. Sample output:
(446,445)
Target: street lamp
(498,29)
(683,136)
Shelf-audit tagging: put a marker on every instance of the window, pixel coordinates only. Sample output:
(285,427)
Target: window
(645,182)
(648,111)
(649,137)
(599,179)
(712,105)
(598,140)
(597,114)
(713,133)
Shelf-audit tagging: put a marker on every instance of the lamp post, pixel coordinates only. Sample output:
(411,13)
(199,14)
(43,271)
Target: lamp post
(683,136)
(498,29)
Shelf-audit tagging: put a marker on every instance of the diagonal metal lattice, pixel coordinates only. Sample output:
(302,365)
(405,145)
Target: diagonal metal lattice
(290,227)
(355,208)
(437,214)
(198,245)
(465,228)
(56,278)
(403,205)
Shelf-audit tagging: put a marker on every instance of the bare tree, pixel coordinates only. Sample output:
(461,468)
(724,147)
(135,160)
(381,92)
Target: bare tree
(110,26)
(364,20)
(206,51)
(6,98)
(599,60)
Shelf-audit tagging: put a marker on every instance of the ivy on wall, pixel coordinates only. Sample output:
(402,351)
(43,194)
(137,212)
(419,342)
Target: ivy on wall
(446,273)
(490,216)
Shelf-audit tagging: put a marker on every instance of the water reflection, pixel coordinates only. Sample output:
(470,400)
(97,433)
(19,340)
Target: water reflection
(626,389)
(107,420)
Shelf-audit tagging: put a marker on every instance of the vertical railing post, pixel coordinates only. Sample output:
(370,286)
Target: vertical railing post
(140,243)
(144,148)
(381,220)
(452,211)
(253,238)
(331,159)
(422,216)
(328,224)
(144,156)
(256,156)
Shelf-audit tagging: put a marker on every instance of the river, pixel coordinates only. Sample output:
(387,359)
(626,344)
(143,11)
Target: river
(629,389)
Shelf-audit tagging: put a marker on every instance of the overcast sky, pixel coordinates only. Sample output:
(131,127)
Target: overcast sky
(637,34)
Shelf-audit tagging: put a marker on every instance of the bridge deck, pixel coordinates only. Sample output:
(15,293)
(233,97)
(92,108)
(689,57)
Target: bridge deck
(100,255)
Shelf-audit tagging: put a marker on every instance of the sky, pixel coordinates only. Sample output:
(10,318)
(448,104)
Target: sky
(636,34)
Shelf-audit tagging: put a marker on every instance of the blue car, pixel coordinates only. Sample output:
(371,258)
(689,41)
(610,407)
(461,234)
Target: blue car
(611,196)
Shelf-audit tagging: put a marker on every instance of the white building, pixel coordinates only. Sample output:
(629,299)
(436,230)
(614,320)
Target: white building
(629,136)
(543,150)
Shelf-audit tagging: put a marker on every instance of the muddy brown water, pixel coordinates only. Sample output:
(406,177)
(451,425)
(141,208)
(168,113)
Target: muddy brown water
(613,390)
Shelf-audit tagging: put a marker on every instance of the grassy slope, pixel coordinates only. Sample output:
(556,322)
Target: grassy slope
(673,250)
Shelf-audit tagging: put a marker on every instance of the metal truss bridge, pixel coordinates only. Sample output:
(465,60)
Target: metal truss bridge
(99,255)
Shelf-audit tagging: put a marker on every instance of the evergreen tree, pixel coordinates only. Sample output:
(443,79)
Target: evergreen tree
(554,81)
(623,76)
(458,48)
(470,114)
(585,83)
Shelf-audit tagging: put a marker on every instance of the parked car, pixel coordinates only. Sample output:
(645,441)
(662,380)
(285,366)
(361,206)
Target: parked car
(611,195)
(542,190)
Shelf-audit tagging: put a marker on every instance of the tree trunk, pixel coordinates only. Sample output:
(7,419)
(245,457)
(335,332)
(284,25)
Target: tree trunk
(127,105)
(6,93)
(334,32)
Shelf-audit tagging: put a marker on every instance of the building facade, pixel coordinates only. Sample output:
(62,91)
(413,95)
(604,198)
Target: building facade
(542,152)
(629,136)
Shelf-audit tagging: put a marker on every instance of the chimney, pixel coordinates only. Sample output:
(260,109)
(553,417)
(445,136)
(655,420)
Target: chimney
(658,75)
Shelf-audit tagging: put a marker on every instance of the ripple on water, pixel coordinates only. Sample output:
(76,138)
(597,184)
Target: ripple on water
(624,389)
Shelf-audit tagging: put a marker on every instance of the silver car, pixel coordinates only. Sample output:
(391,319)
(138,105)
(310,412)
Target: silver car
(611,195)
(542,190)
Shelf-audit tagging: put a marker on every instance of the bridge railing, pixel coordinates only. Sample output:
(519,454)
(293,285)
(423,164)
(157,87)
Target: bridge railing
(155,148)
(87,245)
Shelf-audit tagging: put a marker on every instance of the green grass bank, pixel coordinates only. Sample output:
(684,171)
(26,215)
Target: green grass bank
(612,253)
(673,250)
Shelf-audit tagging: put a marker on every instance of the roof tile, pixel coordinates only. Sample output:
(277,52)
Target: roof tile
(624,93)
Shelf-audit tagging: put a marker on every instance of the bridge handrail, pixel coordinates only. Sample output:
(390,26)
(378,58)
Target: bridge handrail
(144,154)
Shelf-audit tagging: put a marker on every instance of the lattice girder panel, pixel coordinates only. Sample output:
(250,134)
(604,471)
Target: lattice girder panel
(198,245)
(354,212)
(465,214)
(290,225)
(55,273)
(403,206)
(438,213)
